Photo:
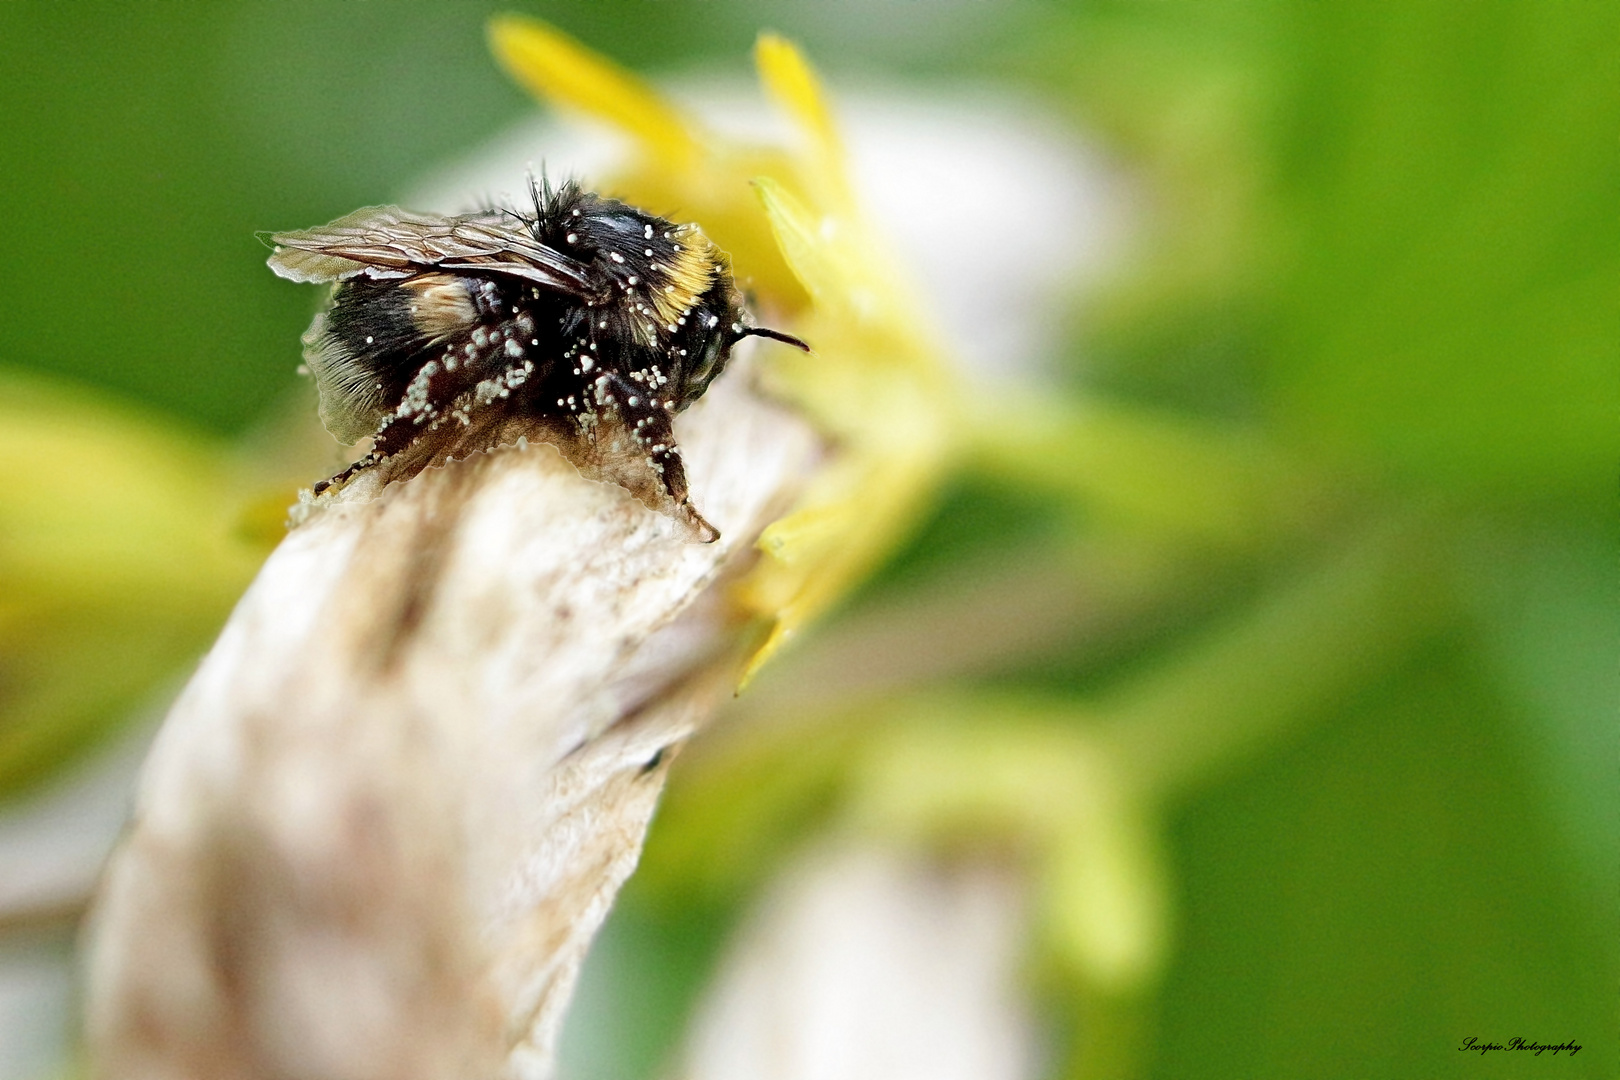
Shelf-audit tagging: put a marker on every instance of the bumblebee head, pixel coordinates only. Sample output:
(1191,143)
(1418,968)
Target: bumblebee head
(662,286)
(721,330)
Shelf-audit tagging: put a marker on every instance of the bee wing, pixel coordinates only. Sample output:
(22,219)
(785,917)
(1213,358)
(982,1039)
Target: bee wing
(387,242)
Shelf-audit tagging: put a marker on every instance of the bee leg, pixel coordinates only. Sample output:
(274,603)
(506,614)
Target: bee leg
(649,425)
(342,478)
(427,403)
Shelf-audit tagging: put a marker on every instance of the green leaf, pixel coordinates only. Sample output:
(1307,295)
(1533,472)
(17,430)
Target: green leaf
(1361,904)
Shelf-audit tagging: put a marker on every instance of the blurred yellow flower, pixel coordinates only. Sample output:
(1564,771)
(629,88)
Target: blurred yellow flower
(121,549)
(877,385)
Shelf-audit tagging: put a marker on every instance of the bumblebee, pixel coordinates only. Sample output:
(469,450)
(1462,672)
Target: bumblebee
(587,323)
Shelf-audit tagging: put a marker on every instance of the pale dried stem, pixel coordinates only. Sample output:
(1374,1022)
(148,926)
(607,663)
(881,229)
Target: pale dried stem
(384,820)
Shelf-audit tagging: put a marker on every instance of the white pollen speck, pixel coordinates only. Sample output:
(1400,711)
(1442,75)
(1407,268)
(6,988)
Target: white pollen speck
(632,279)
(672,328)
(369,339)
(534,341)
(648,253)
(646,230)
(669,288)
(615,256)
(573,238)
(602,324)
(576,213)
(714,320)
(634,401)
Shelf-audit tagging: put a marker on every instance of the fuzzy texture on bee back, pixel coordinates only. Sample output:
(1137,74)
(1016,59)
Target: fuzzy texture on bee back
(587,323)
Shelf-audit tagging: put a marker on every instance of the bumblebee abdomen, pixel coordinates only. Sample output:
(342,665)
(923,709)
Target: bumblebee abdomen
(375,339)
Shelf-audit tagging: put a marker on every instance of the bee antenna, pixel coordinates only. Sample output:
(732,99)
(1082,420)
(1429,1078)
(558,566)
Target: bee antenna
(774,335)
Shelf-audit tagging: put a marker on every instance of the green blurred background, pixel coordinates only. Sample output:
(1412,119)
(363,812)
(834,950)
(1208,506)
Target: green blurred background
(1382,239)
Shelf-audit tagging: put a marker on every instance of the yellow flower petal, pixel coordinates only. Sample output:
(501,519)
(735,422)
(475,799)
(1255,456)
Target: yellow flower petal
(554,66)
(788,78)
(832,257)
(801,236)
(856,510)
